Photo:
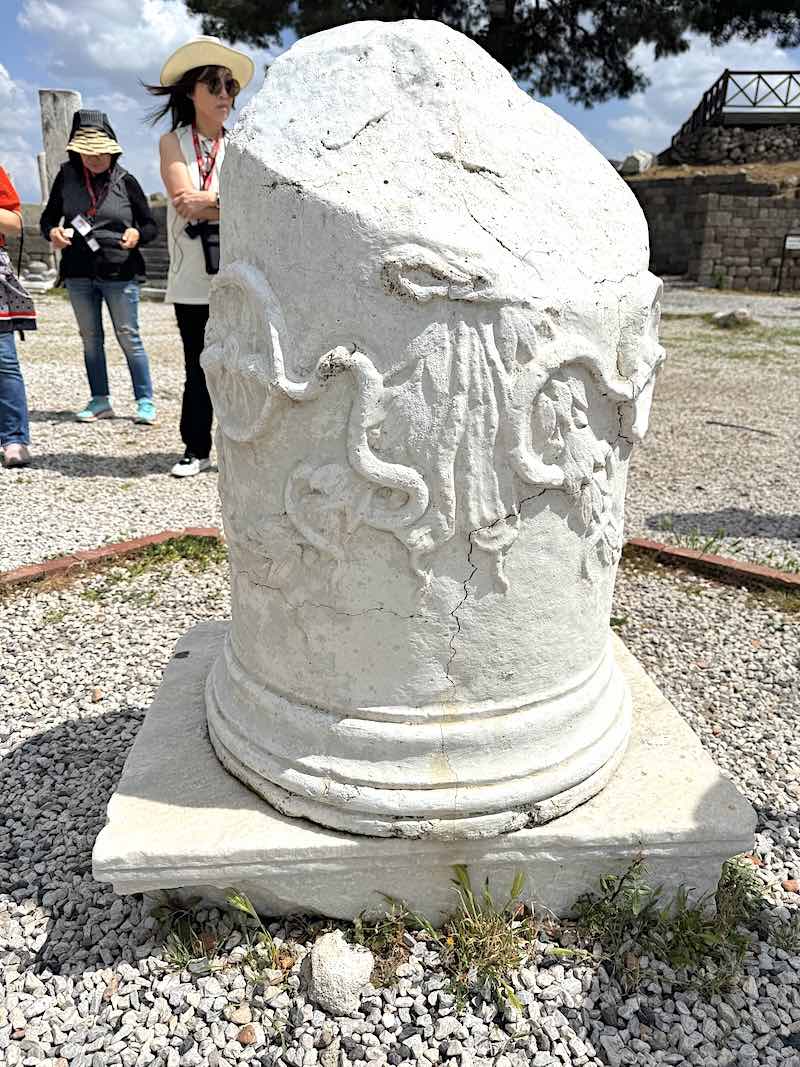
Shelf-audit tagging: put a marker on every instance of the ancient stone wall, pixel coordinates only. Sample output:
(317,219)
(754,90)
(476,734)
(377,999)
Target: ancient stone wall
(736,144)
(674,212)
(722,229)
(740,242)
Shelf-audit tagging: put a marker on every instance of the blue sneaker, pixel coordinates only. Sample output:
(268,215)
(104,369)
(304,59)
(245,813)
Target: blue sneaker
(145,411)
(99,407)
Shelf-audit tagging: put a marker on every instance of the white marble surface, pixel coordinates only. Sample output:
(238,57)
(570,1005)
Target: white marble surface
(178,820)
(431,348)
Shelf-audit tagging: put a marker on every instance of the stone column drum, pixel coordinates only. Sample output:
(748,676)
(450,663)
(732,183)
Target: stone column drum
(431,348)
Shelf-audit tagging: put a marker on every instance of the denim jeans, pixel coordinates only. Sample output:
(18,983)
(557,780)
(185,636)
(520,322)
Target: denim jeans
(122,300)
(13,402)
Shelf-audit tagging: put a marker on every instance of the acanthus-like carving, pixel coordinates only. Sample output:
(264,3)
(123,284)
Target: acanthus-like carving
(513,415)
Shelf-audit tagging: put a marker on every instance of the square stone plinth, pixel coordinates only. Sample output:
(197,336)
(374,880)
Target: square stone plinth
(178,821)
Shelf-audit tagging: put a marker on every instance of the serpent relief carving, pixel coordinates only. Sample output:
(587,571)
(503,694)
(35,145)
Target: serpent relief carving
(506,401)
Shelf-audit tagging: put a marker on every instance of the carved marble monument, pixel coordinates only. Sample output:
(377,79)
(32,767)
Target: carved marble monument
(432,347)
(430,360)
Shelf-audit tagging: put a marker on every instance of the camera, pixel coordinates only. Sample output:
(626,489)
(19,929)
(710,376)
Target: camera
(208,232)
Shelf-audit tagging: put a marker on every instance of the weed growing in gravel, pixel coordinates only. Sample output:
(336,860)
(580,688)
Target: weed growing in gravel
(92,594)
(195,944)
(199,553)
(186,939)
(55,615)
(784,601)
(482,942)
(785,934)
(479,945)
(779,561)
(388,938)
(262,952)
(629,919)
(718,543)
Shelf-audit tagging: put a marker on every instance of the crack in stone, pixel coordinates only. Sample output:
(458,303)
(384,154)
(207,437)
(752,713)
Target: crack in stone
(324,607)
(493,236)
(472,168)
(334,146)
(454,613)
(457,608)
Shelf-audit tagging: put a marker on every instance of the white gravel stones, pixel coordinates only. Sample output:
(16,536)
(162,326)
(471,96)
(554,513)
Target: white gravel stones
(82,973)
(105,481)
(338,973)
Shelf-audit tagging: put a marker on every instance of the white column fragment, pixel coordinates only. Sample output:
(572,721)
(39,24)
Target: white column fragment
(57,108)
(431,348)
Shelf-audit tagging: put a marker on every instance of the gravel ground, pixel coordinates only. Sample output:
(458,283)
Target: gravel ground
(105,481)
(718,464)
(83,971)
(688,298)
(717,469)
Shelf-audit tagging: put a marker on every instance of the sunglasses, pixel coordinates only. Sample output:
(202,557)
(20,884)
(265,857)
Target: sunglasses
(215,83)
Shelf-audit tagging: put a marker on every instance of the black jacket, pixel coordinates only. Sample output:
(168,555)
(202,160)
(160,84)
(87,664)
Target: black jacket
(120,204)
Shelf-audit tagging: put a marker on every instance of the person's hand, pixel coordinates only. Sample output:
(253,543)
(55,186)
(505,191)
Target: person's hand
(59,238)
(191,203)
(130,238)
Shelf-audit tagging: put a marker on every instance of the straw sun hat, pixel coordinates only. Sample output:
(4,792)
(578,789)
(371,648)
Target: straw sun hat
(93,142)
(206,51)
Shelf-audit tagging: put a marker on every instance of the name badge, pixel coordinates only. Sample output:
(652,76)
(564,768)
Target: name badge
(84,228)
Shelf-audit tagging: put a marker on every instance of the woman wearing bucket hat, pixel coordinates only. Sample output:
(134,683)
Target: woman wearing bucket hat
(98,217)
(200,82)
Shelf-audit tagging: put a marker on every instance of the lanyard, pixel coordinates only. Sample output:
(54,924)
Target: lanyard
(204,171)
(94,199)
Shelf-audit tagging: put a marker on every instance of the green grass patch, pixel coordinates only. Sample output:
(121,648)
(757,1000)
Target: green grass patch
(698,335)
(705,940)
(197,553)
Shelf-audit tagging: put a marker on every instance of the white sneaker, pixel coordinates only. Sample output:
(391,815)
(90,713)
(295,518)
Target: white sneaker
(190,465)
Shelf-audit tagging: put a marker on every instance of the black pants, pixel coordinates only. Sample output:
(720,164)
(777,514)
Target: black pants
(196,410)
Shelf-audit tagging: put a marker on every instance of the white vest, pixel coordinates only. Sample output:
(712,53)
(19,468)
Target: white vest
(188,282)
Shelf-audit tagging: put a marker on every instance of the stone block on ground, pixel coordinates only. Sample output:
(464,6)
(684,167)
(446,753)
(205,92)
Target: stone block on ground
(179,821)
(637,162)
(731,319)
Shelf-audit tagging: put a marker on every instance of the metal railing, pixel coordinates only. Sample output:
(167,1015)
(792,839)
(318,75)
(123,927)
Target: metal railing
(745,93)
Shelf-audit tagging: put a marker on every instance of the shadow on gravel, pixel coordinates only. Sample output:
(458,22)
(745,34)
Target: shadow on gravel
(727,522)
(51,416)
(55,787)
(88,465)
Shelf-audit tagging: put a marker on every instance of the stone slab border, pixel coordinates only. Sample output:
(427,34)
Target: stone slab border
(723,568)
(93,557)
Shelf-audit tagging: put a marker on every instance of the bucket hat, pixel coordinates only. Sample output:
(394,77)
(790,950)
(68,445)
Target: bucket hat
(205,51)
(92,134)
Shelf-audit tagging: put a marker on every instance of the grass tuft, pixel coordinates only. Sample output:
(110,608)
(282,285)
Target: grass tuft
(706,944)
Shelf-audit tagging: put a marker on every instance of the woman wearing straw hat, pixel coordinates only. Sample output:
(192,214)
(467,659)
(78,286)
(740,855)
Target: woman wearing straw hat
(200,82)
(98,217)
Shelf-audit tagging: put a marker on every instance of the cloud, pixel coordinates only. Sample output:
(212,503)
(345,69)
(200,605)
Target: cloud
(19,128)
(112,38)
(104,49)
